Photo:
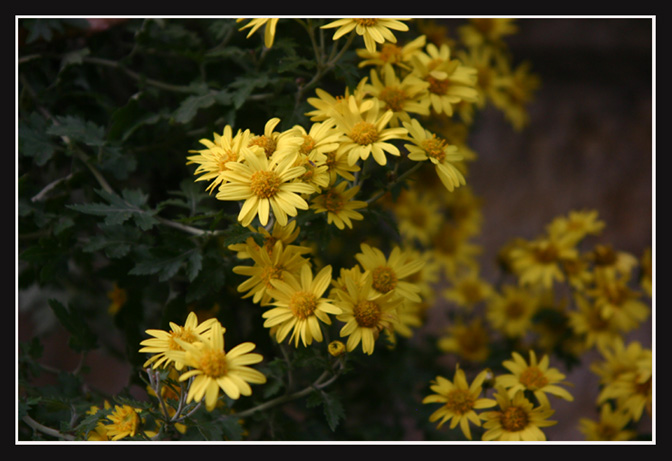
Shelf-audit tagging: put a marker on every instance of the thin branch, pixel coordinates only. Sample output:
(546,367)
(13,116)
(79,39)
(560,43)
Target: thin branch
(399,179)
(46,430)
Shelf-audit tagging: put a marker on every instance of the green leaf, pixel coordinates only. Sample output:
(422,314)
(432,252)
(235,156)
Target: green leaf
(129,118)
(168,260)
(120,209)
(33,142)
(190,106)
(79,130)
(332,406)
(82,338)
(116,241)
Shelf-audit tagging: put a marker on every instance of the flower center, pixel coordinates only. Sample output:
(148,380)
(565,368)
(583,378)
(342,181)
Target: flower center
(308,145)
(393,97)
(302,304)
(471,291)
(126,420)
(435,148)
(384,279)
(604,255)
(265,184)
(185,335)
(364,133)
(471,340)
(367,313)
(227,156)
(460,401)
(271,272)
(546,253)
(212,363)
(533,379)
(333,202)
(514,419)
(514,309)
(268,144)
(390,53)
(438,86)
(367,22)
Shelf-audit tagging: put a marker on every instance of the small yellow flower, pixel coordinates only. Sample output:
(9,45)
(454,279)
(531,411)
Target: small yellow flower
(403,96)
(391,53)
(610,427)
(213,368)
(125,422)
(118,298)
(263,186)
(490,31)
(339,206)
(516,420)
(468,289)
(336,348)
(162,342)
(367,132)
(539,262)
(427,146)
(269,29)
(511,309)
(373,30)
(459,401)
(471,340)
(536,377)
(300,306)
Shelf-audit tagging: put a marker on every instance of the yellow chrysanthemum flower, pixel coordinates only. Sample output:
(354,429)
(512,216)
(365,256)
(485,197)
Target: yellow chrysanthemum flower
(339,205)
(212,368)
(221,150)
(646,274)
(468,289)
(511,309)
(164,341)
(539,262)
(617,301)
(269,29)
(300,306)
(469,340)
(268,265)
(338,166)
(118,298)
(516,420)
(519,88)
(491,31)
(453,250)
(372,30)
(367,132)
(366,313)
(390,53)
(450,82)
(490,81)
(427,146)
(277,145)
(610,426)
(577,224)
(389,273)
(419,216)
(403,96)
(610,264)
(326,105)
(264,186)
(459,400)
(125,422)
(588,323)
(535,376)
(285,234)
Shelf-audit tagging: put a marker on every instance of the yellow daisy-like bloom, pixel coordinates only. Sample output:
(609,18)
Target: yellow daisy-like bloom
(427,146)
(212,368)
(520,86)
(450,82)
(367,133)
(577,224)
(617,358)
(125,422)
(402,96)
(265,186)
(372,30)
(646,274)
(471,341)
(336,348)
(610,264)
(285,234)
(118,298)
(338,166)
(269,29)
(221,150)
(516,420)
(163,342)
(632,388)
(616,300)
(277,145)
(339,205)
(535,376)
(588,323)
(326,105)
(468,289)
(490,31)
(268,265)
(453,250)
(459,400)
(418,216)
(538,262)
(365,313)
(300,306)
(610,427)
(511,310)
(390,53)
(389,274)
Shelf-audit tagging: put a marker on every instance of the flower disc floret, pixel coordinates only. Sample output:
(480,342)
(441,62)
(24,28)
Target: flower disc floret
(364,133)
(303,304)
(384,279)
(367,313)
(514,419)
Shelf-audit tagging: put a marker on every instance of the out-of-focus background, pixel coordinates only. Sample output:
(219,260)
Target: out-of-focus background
(589,145)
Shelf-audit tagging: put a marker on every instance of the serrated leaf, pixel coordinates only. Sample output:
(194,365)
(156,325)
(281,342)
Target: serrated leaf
(116,241)
(332,406)
(33,142)
(79,130)
(120,210)
(166,263)
(191,105)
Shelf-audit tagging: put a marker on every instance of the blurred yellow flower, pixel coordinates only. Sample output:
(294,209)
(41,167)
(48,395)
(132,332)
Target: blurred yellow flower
(372,30)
